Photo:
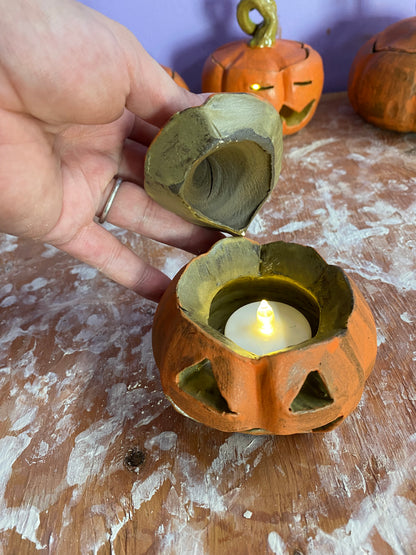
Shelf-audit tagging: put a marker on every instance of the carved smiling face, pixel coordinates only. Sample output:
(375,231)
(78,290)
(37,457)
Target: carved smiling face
(288,74)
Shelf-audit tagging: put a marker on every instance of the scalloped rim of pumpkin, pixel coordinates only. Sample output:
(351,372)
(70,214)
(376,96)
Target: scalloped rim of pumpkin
(236,271)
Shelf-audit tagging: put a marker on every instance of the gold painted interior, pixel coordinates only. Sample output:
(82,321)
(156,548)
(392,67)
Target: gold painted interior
(237,271)
(199,382)
(216,164)
(312,395)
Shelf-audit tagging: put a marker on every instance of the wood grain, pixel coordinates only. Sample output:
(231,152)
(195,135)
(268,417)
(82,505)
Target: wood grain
(81,402)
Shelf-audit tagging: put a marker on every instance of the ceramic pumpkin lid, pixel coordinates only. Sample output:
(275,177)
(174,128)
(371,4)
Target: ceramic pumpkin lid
(216,164)
(399,36)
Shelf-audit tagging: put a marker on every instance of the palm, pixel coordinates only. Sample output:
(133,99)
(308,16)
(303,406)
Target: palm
(66,178)
(88,156)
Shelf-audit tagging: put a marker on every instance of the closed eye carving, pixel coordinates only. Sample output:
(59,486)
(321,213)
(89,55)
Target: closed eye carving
(258,87)
(302,83)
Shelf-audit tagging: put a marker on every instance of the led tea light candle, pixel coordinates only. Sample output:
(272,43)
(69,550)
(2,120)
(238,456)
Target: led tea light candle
(267,326)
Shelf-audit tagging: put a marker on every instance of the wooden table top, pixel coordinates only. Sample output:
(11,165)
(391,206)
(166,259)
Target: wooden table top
(95,460)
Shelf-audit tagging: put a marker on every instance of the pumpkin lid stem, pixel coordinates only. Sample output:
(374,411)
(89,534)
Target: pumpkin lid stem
(264,33)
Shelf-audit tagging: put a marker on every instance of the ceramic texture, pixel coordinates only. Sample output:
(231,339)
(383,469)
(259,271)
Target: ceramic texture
(176,77)
(312,386)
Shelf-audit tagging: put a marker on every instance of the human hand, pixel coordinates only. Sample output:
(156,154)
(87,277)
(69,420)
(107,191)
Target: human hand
(80,101)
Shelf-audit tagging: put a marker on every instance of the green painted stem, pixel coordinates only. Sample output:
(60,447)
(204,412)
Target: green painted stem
(264,33)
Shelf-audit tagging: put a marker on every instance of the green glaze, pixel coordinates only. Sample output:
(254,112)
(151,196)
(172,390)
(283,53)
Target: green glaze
(312,395)
(264,33)
(216,164)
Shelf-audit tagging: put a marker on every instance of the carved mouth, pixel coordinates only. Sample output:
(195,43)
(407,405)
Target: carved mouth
(291,117)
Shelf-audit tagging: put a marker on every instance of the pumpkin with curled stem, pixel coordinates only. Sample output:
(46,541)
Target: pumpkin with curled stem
(382,80)
(286,73)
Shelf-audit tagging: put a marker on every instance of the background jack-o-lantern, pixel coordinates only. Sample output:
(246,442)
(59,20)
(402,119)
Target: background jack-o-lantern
(287,73)
(382,79)
(176,77)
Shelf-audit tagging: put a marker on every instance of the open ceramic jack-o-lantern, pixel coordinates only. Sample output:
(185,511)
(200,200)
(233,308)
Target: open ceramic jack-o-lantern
(382,79)
(286,73)
(310,386)
(215,165)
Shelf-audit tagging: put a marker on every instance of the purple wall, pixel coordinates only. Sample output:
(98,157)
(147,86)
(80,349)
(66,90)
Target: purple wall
(182,33)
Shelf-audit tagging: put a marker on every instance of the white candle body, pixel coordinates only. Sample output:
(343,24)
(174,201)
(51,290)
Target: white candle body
(290,327)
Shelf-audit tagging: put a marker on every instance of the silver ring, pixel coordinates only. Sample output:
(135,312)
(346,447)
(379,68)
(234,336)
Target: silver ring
(110,200)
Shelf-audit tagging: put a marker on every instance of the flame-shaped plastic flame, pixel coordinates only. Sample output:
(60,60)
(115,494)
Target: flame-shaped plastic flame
(265,318)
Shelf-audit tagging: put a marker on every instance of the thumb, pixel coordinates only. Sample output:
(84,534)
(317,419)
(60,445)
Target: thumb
(154,96)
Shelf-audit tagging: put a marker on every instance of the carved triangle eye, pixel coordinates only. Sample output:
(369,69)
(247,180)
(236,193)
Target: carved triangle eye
(199,381)
(313,394)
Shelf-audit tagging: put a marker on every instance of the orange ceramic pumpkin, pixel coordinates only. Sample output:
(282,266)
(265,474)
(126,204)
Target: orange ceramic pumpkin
(287,73)
(311,386)
(176,77)
(382,79)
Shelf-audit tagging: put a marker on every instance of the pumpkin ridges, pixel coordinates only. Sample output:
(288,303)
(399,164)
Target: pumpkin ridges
(380,93)
(283,54)
(364,327)
(176,77)
(213,72)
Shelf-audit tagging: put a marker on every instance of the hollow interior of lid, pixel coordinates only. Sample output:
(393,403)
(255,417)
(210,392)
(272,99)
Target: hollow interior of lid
(230,183)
